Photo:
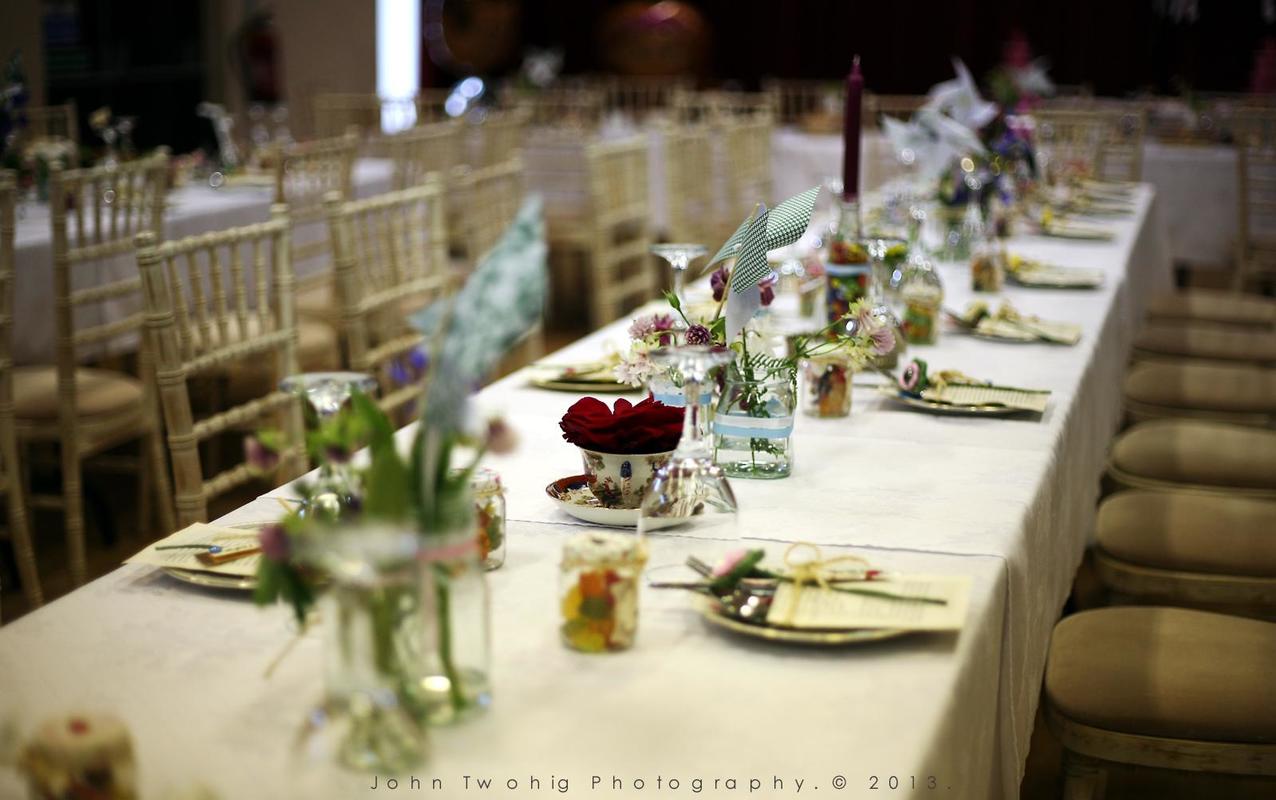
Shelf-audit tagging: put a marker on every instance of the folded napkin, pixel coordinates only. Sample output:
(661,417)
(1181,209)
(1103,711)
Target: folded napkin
(961,394)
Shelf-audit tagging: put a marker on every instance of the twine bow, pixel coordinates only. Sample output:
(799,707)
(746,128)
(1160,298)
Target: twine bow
(821,571)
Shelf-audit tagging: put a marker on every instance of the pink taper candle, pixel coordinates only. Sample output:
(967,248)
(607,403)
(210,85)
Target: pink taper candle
(851,133)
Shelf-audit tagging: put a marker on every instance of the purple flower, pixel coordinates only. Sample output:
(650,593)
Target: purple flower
(767,287)
(259,456)
(274,542)
(418,360)
(336,454)
(883,340)
(718,281)
(698,334)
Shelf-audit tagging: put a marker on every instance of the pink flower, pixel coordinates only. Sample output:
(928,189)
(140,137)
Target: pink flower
(643,327)
(501,438)
(883,339)
(274,542)
(913,379)
(729,562)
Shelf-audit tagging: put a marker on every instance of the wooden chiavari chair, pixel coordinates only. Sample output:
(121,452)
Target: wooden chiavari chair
(723,106)
(335,114)
(430,106)
(491,198)
(88,411)
(211,300)
(391,260)
(11,484)
(616,237)
(746,170)
(640,97)
(54,122)
(1109,142)
(502,135)
(563,108)
(896,106)
(689,184)
(431,148)
(304,174)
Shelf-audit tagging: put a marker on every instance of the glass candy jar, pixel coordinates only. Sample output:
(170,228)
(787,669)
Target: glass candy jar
(598,597)
(489,517)
(923,295)
(753,426)
(987,266)
(826,388)
(848,270)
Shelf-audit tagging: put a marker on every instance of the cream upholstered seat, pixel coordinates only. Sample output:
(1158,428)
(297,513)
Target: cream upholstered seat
(1205,340)
(1161,687)
(1196,456)
(1211,551)
(1165,672)
(1215,305)
(98,392)
(11,487)
(1241,394)
(1192,532)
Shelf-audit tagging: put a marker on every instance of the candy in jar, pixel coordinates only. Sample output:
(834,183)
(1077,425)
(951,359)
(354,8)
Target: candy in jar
(987,267)
(599,590)
(827,386)
(80,756)
(923,295)
(489,517)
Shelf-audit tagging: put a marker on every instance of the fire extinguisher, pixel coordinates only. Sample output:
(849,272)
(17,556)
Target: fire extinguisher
(256,47)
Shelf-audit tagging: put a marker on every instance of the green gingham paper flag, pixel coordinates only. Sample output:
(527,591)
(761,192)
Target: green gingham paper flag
(744,299)
(785,225)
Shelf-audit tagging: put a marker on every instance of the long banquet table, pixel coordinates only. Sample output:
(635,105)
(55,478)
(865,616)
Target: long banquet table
(1007,502)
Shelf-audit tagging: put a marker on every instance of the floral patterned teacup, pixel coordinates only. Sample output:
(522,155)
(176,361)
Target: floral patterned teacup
(620,480)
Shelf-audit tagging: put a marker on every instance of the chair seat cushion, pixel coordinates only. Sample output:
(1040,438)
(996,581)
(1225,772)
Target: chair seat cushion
(1216,305)
(1211,454)
(1203,386)
(99,392)
(1207,340)
(1190,532)
(1165,672)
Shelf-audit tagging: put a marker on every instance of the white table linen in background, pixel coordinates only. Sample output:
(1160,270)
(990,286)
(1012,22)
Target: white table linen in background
(192,209)
(1022,491)
(1195,185)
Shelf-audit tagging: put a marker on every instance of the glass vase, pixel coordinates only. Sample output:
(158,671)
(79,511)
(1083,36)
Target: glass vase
(826,386)
(455,679)
(372,616)
(847,269)
(753,426)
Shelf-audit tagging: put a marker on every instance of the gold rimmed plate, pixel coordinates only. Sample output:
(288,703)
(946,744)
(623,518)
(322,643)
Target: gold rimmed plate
(712,614)
(217,580)
(955,409)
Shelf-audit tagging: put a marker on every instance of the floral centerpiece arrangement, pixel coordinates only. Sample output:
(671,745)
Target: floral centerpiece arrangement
(406,615)
(623,446)
(754,419)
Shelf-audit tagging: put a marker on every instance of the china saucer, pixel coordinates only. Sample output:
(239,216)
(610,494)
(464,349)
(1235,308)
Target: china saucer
(575,498)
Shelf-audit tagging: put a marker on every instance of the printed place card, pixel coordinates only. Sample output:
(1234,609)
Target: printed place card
(229,539)
(811,607)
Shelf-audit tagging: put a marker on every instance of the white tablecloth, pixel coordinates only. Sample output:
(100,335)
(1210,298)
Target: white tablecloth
(892,480)
(192,209)
(1007,502)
